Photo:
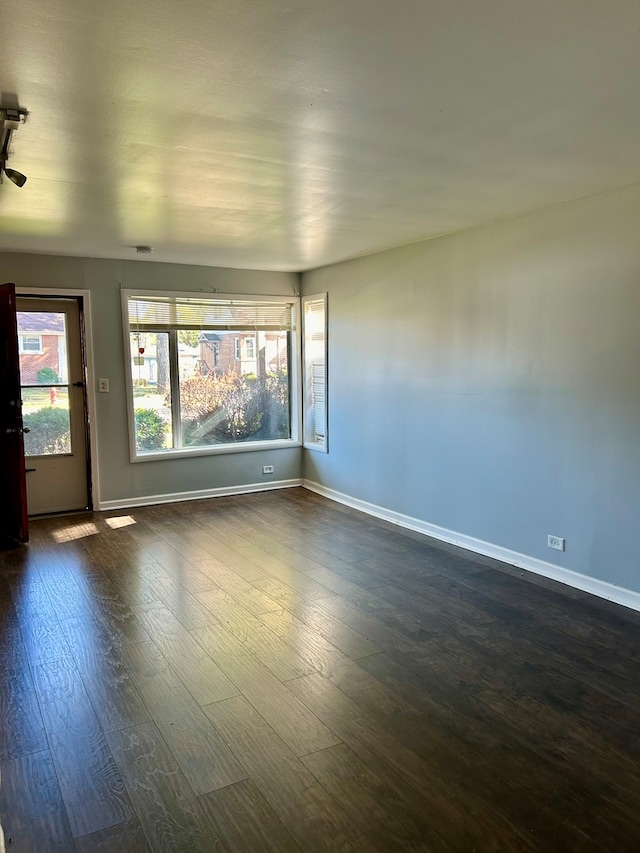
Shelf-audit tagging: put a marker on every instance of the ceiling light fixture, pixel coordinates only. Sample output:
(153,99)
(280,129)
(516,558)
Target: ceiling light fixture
(10,119)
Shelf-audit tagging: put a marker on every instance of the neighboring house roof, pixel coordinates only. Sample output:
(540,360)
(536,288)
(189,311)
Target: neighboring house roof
(44,323)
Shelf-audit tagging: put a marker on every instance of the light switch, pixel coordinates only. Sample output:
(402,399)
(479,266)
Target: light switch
(103,386)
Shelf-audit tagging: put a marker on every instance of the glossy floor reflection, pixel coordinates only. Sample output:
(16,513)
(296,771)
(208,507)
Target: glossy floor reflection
(277,672)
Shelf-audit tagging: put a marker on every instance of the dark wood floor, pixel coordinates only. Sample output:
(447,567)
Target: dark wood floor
(278,672)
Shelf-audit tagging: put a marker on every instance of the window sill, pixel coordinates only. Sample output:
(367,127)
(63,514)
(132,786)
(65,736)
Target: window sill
(215,450)
(319,448)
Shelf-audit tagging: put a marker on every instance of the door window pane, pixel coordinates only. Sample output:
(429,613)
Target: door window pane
(150,373)
(45,413)
(42,336)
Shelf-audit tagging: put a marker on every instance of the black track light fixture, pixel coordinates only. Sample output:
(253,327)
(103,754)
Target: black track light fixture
(10,120)
(15,177)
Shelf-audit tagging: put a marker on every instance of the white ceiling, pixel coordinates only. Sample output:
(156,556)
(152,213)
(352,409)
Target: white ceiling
(287,134)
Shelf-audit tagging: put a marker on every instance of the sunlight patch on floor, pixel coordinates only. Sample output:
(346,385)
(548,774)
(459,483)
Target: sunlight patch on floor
(76,531)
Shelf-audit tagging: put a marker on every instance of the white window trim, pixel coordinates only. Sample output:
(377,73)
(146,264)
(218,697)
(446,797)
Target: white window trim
(23,351)
(212,450)
(309,440)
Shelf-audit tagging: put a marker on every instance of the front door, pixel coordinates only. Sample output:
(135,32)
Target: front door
(14,524)
(53,404)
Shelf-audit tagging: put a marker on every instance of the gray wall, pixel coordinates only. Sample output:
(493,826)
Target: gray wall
(119,479)
(489,382)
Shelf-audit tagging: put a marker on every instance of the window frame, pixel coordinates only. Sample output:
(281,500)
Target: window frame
(310,442)
(24,351)
(295,379)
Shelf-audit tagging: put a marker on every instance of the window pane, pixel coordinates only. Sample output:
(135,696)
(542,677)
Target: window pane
(42,338)
(30,343)
(151,391)
(315,371)
(230,392)
(45,413)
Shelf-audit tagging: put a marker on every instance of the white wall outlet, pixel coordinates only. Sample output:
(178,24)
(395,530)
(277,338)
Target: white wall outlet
(267,469)
(103,386)
(556,542)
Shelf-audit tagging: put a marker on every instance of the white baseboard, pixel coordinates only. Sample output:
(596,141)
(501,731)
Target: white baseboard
(618,594)
(198,495)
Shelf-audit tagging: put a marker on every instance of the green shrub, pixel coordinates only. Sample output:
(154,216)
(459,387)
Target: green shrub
(49,431)
(47,376)
(230,407)
(150,430)
(219,408)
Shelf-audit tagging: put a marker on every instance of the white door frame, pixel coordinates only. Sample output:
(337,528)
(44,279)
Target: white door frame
(90,390)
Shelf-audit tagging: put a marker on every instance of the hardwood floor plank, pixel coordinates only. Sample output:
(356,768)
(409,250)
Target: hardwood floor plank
(377,810)
(283,661)
(200,674)
(224,558)
(280,571)
(368,574)
(557,606)
(65,596)
(485,718)
(417,623)
(312,817)
(561,813)
(32,812)
(21,727)
(338,584)
(188,610)
(164,557)
(131,586)
(338,632)
(205,760)
(296,584)
(386,626)
(111,609)
(380,702)
(423,599)
(126,837)
(519,688)
(91,787)
(300,729)
(427,795)
(548,612)
(244,820)
(113,694)
(318,653)
(169,812)
(13,652)
(40,628)
(244,592)
(270,542)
